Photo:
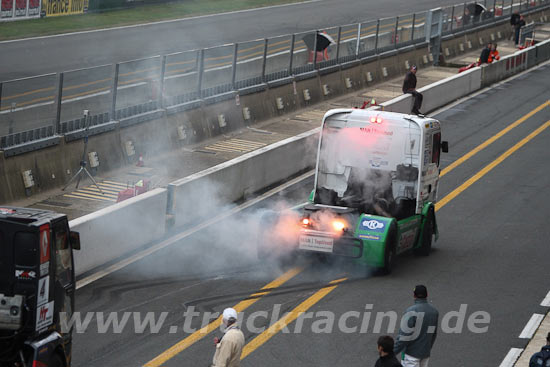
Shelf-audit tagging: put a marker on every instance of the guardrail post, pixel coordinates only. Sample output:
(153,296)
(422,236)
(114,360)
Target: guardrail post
(161,81)
(315,50)
(376,38)
(413,25)
(264,59)
(293,38)
(453,17)
(358,40)
(234,65)
(114,91)
(464,16)
(396,37)
(200,72)
(337,49)
(495,10)
(58,99)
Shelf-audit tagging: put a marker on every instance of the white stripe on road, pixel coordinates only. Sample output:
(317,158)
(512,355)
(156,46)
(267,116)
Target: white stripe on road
(532,326)
(546,301)
(511,357)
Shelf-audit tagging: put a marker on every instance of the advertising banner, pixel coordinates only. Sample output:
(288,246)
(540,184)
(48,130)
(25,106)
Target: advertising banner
(19,9)
(52,8)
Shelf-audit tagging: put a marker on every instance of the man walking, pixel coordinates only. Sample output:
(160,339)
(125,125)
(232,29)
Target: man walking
(416,337)
(409,86)
(230,346)
(542,358)
(385,350)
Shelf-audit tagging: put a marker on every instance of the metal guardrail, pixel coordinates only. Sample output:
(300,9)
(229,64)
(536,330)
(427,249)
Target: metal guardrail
(52,104)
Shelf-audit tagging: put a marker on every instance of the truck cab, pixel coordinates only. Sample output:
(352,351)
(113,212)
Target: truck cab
(37,287)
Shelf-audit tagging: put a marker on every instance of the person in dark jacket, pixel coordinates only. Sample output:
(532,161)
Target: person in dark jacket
(542,358)
(485,53)
(418,337)
(409,86)
(385,350)
(514,19)
(519,24)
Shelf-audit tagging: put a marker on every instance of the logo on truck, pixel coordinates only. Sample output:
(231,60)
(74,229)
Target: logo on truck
(373,225)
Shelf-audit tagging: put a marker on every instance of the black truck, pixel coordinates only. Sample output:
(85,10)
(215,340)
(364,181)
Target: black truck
(37,287)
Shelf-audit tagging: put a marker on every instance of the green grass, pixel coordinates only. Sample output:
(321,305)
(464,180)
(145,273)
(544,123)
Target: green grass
(137,15)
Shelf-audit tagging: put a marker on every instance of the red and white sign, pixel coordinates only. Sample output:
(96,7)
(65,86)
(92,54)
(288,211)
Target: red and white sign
(44,316)
(44,243)
(316,243)
(43,291)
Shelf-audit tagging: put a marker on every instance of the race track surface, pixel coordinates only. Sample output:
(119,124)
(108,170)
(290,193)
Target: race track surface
(491,256)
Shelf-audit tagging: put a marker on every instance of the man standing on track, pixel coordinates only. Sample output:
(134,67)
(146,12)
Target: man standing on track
(409,86)
(417,337)
(230,346)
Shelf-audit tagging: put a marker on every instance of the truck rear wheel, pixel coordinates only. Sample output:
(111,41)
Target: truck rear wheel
(427,235)
(390,253)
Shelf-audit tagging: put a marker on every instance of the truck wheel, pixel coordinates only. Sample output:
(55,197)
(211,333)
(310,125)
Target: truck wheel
(427,235)
(390,251)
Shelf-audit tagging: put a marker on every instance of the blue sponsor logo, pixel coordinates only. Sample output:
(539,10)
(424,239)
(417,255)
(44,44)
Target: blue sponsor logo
(372,225)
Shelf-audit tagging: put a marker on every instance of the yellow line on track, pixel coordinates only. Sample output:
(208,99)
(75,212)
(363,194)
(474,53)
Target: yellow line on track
(240,307)
(288,318)
(441,203)
(83,195)
(492,139)
(79,197)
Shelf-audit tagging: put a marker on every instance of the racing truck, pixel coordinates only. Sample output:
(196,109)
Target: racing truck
(37,287)
(374,194)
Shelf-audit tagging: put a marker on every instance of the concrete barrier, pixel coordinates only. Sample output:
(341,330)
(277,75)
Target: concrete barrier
(439,93)
(201,195)
(119,229)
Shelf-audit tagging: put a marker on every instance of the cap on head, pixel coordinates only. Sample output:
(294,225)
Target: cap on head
(229,313)
(420,291)
(413,67)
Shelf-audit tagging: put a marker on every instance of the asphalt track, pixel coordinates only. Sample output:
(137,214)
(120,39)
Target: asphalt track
(491,256)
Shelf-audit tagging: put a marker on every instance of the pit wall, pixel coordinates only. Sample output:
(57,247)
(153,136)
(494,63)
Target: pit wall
(134,224)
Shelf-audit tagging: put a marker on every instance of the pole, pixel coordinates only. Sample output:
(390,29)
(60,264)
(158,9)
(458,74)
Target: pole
(464,16)
(315,50)
(161,81)
(114,91)
(376,39)
(59,98)
(264,59)
(396,37)
(234,65)
(413,25)
(293,38)
(200,72)
(337,47)
(358,40)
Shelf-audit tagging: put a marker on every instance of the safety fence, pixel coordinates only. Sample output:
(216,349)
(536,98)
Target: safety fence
(186,79)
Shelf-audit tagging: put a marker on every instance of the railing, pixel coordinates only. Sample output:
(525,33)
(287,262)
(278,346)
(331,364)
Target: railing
(50,105)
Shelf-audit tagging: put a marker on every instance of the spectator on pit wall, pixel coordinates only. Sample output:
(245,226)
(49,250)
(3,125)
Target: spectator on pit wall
(417,341)
(409,86)
(514,19)
(542,358)
(493,56)
(230,346)
(385,350)
(484,56)
(519,24)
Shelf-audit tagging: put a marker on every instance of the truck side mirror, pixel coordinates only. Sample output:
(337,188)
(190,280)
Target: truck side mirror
(445,146)
(75,240)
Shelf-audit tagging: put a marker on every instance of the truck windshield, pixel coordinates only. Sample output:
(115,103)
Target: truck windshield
(368,166)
